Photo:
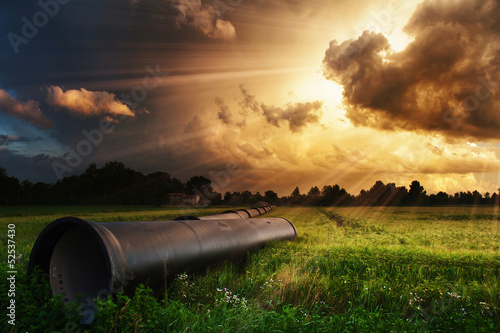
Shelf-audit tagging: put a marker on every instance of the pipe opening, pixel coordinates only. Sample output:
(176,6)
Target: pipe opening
(78,265)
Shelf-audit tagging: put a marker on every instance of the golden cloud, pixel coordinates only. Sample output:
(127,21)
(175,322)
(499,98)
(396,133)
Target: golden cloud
(88,103)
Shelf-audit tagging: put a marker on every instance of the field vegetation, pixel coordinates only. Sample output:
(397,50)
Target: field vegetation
(365,269)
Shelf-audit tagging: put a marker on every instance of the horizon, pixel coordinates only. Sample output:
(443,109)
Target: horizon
(255,95)
(217,183)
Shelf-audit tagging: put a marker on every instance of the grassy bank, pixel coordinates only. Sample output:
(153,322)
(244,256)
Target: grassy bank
(350,270)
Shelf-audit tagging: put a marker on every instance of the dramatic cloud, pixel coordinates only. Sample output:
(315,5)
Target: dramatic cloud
(88,103)
(297,115)
(224,114)
(28,111)
(354,159)
(442,81)
(7,139)
(204,18)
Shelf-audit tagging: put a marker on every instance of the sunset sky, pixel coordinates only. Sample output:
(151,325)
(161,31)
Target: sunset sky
(255,94)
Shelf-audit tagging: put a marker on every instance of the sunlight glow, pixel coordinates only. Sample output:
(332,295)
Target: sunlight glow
(316,87)
(398,40)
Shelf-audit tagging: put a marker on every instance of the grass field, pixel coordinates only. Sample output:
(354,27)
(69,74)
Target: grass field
(350,270)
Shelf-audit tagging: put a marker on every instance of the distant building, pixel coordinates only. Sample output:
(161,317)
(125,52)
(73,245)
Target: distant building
(204,202)
(191,200)
(176,198)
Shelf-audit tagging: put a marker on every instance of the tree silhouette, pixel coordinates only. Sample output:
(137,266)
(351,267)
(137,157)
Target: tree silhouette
(416,194)
(296,198)
(10,189)
(115,183)
(271,197)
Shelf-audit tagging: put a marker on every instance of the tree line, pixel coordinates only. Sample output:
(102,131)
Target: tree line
(381,194)
(117,184)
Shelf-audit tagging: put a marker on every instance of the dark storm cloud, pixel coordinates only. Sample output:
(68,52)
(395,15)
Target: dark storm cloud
(28,111)
(224,114)
(98,51)
(443,81)
(205,18)
(35,168)
(87,41)
(297,115)
(8,139)
(194,126)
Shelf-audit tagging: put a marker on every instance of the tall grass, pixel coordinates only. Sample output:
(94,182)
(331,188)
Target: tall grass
(350,270)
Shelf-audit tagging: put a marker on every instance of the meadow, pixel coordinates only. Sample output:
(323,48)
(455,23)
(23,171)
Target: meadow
(356,269)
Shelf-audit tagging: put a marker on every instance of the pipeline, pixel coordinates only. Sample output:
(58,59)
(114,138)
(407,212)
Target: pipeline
(230,214)
(95,259)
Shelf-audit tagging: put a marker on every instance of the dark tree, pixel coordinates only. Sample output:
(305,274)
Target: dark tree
(334,195)
(296,198)
(440,199)
(313,196)
(314,192)
(271,197)
(199,185)
(246,197)
(416,194)
(10,189)
(257,197)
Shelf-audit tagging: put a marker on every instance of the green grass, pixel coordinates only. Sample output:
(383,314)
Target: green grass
(350,270)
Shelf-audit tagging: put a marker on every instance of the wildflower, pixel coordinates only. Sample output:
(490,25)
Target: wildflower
(455,295)
(182,277)
(485,305)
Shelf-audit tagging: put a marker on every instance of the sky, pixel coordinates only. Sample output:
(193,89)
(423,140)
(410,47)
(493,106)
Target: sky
(258,95)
